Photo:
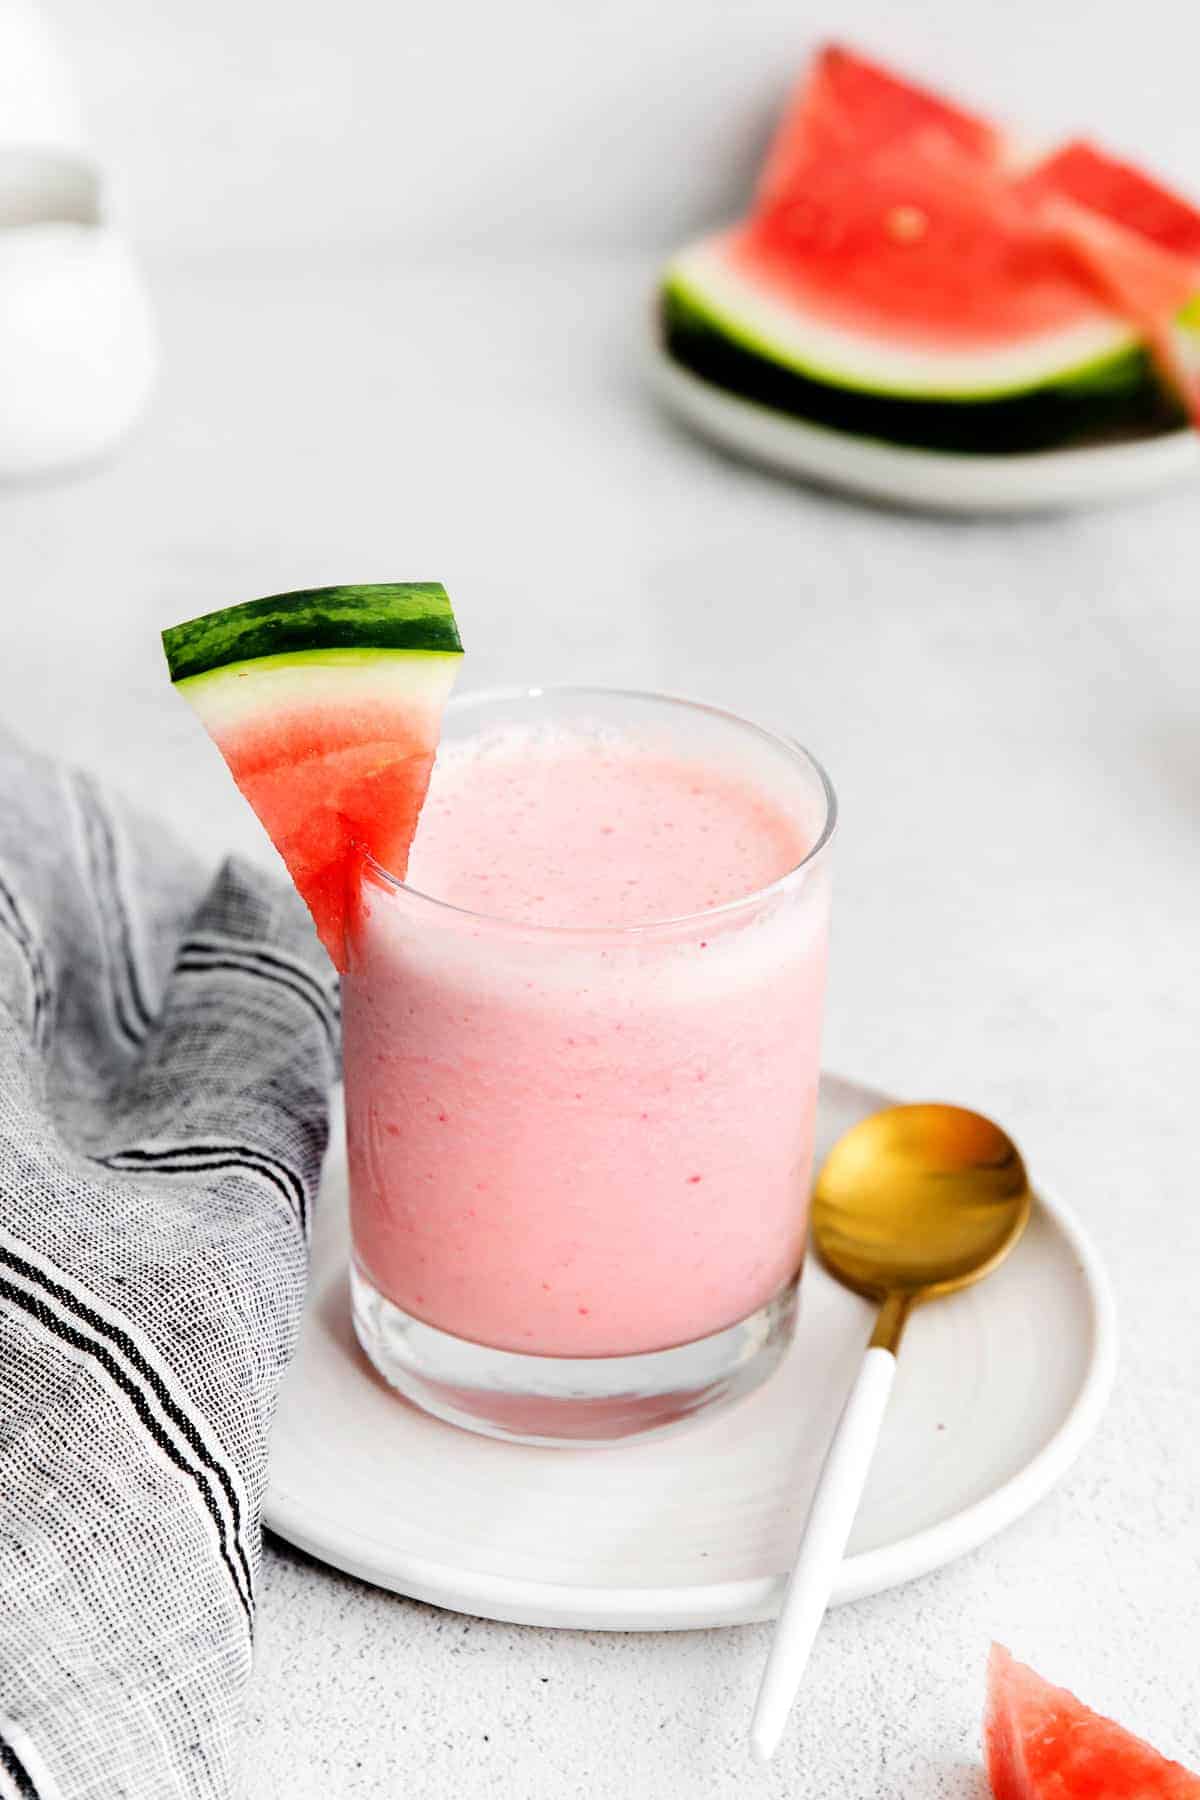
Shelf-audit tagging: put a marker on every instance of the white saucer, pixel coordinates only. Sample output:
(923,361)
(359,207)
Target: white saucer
(938,480)
(996,1392)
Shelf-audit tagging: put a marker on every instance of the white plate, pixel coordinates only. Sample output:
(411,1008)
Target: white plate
(997,1390)
(939,480)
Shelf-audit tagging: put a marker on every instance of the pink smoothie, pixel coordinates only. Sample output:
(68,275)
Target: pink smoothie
(571,1140)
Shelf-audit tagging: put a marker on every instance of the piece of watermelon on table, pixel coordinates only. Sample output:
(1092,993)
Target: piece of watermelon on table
(327,706)
(1041,1743)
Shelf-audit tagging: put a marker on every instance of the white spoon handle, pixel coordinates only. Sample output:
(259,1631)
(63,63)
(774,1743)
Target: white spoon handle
(826,1532)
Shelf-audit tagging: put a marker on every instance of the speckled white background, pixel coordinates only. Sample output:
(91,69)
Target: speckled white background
(1009,709)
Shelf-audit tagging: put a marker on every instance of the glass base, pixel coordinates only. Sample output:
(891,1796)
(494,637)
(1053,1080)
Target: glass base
(563,1401)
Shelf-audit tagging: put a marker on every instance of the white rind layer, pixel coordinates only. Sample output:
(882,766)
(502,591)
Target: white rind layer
(240,693)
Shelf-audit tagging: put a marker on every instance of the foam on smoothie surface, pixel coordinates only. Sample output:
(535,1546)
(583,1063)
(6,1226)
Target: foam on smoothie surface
(573,828)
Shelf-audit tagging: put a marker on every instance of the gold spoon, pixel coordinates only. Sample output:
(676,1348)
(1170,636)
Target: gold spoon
(912,1203)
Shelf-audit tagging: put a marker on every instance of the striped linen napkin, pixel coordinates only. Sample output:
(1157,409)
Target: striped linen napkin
(166,1051)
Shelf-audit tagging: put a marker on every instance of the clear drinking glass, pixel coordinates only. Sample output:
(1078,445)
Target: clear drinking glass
(580,1158)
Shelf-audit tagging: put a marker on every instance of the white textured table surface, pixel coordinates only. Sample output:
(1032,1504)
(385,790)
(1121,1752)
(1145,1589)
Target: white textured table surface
(1009,711)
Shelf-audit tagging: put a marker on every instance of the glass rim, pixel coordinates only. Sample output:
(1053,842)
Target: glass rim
(796,751)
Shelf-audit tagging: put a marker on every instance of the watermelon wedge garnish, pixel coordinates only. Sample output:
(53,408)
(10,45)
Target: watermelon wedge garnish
(1041,1743)
(327,707)
(904,274)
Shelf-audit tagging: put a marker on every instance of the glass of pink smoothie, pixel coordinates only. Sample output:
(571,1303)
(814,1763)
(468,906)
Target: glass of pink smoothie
(581,1056)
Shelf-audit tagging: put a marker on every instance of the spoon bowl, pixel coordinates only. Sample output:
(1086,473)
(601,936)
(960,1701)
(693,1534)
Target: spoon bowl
(919,1201)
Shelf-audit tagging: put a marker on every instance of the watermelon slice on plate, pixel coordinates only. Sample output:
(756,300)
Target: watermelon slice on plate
(1041,1743)
(327,706)
(903,280)
(846,106)
(1118,191)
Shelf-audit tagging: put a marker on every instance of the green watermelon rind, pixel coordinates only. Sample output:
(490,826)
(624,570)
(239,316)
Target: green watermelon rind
(1108,398)
(408,617)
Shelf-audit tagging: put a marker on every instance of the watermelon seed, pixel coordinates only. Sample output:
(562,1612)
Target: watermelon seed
(907,224)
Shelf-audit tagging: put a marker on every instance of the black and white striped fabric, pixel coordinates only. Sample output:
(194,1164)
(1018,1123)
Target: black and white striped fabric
(166,1054)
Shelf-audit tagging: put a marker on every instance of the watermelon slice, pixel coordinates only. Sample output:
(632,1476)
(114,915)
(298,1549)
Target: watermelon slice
(1041,1743)
(900,278)
(846,107)
(1121,193)
(1139,244)
(327,706)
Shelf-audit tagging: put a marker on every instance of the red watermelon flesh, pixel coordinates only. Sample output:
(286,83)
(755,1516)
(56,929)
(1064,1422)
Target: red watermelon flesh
(917,240)
(329,782)
(1137,242)
(1119,192)
(847,106)
(1041,1743)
